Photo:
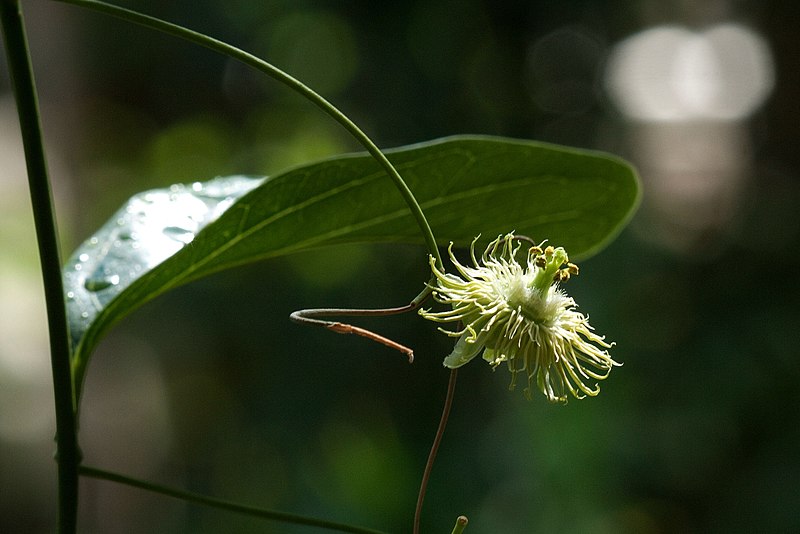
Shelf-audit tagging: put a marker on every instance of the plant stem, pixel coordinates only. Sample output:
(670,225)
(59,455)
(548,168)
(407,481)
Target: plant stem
(286,79)
(448,403)
(310,317)
(67,453)
(461,524)
(224,505)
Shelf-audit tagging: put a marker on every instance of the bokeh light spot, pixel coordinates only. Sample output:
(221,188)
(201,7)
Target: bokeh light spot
(670,73)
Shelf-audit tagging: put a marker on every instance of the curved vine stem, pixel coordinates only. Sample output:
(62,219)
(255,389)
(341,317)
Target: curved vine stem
(311,317)
(67,452)
(197,498)
(448,403)
(286,79)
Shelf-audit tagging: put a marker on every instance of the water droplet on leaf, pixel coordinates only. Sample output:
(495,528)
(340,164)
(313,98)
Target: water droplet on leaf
(101,283)
(179,234)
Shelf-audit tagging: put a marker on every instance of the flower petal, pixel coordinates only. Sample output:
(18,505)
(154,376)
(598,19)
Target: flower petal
(463,352)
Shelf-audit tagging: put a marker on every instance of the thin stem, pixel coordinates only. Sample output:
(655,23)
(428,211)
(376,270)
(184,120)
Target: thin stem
(344,328)
(67,453)
(426,475)
(196,498)
(461,524)
(286,79)
(309,317)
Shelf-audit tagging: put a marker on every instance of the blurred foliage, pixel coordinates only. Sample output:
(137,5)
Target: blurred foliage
(696,433)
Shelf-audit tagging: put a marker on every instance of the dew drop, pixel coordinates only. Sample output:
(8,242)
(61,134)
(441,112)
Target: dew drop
(179,234)
(197,187)
(83,257)
(70,295)
(101,283)
(85,315)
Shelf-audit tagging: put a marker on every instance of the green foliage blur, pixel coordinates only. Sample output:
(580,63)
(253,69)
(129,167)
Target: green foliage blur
(212,389)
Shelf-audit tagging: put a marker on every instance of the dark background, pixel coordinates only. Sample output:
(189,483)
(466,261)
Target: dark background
(212,389)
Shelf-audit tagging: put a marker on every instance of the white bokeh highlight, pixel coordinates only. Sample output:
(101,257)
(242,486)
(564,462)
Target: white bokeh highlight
(686,97)
(670,73)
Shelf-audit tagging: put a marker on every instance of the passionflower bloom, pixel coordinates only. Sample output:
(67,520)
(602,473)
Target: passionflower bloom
(518,315)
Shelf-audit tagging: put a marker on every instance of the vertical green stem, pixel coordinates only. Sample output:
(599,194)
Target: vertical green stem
(19,65)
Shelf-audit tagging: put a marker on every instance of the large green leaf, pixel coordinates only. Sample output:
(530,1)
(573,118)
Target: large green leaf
(465,185)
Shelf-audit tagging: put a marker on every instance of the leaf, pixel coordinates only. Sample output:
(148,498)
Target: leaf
(466,186)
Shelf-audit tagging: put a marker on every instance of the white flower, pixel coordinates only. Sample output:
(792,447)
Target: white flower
(518,315)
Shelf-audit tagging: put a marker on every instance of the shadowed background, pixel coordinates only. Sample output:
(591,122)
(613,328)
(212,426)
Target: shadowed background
(211,388)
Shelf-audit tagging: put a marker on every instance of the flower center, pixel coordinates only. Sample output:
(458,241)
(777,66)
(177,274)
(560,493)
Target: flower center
(532,303)
(530,292)
(548,263)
